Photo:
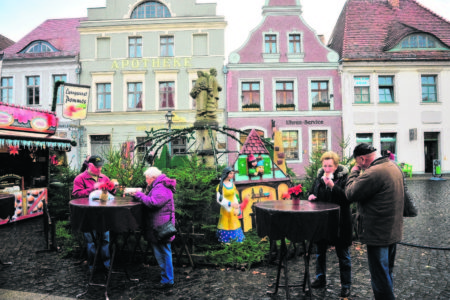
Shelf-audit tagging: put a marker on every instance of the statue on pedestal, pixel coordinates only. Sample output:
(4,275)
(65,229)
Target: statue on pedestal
(206,94)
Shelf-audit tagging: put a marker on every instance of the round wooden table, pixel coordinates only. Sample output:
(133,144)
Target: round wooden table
(298,221)
(120,215)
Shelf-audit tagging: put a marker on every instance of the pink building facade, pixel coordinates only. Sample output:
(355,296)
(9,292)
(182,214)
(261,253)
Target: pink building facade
(285,78)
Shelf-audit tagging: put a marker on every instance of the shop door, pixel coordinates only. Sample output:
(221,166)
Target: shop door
(431,141)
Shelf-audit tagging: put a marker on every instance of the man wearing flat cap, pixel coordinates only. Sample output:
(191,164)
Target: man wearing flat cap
(89,180)
(376,184)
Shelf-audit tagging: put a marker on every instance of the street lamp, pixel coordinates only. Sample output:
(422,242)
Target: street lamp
(169,116)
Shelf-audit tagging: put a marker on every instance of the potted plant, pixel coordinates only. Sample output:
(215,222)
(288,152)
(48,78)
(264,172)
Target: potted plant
(288,106)
(321,106)
(251,107)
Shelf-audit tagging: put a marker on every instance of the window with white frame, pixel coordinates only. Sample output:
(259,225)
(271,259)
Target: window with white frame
(386,89)
(319,140)
(134,95)
(251,96)
(135,47)
(429,88)
(295,43)
(285,94)
(33,90)
(103,96)
(270,43)
(166,94)
(320,95)
(362,89)
(39,47)
(150,9)
(290,144)
(59,95)
(167,45)
(7,90)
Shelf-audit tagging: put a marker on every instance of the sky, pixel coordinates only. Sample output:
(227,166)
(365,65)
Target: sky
(18,18)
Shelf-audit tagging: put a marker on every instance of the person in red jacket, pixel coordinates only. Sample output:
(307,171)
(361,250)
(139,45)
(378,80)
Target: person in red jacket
(85,183)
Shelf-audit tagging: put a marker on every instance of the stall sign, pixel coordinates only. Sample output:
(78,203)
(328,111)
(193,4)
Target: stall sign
(14,117)
(75,101)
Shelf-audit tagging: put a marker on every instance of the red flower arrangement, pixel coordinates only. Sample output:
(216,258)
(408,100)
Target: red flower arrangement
(296,190)
(106,186)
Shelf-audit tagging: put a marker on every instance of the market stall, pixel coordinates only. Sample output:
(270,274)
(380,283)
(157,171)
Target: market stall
(26,139)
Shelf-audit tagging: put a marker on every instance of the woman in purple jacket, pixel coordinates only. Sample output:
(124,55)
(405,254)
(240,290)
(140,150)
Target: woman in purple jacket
(158,197)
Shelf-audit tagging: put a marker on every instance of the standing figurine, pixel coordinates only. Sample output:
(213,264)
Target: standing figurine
(229,227)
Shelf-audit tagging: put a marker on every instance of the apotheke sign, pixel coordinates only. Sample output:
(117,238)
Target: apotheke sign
(152,63)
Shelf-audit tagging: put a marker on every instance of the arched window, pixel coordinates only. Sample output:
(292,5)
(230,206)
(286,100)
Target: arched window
(151,9)
(420,41)
(39,47)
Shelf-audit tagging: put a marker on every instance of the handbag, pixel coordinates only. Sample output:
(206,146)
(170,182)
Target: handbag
(165,231)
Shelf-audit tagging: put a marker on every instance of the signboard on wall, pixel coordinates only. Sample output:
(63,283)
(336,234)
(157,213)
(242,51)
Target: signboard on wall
(75,101)
(413,134)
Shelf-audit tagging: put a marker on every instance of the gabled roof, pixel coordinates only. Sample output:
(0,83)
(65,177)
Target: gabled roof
(60,33)
(253,144)
(366,29)
(5,42)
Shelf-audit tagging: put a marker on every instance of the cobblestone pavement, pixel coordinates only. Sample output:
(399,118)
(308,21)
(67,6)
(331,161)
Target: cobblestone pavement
(420,272)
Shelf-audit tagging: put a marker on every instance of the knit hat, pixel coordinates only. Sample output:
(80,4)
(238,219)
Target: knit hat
(251,158)
(260,163)
(363,149)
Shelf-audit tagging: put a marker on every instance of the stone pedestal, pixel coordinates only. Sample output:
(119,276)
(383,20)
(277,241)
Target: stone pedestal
(206,141)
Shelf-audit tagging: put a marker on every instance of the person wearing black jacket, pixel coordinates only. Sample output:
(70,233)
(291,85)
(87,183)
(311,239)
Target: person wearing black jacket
(329,186)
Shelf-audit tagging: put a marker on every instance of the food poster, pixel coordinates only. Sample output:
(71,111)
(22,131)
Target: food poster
(75,101)
(33,202)
(254,194)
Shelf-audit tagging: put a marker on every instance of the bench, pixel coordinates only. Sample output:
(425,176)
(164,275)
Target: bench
(406,168)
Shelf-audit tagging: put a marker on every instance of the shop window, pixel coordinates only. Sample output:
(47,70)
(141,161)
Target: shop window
(6,90)
(166,94)
(388,141)
(179,146)
(290,144)
(167,45)
(142,149)
(319,95)
(150,9)
(135,47)
(134,95)
(33,86)
(59,95)
(362,89)
(100,145)
(294,43)
(251,96)
(200,44)
(364,138)
(285,95)
(103,48)
(386,89)
(319,140)
(429,90)
(270,43)
(103,96)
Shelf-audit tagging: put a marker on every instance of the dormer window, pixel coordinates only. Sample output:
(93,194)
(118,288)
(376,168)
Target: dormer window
(150,9)
(420,41)
(39,47)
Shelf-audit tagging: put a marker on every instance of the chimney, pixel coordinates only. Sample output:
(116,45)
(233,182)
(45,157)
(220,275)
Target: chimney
(321,38)
(395,4)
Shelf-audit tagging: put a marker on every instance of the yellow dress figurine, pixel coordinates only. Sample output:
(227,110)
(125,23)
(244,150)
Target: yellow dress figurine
(229,227)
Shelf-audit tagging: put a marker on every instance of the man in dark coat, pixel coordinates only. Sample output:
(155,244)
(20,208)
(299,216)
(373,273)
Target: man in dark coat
(376,184)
